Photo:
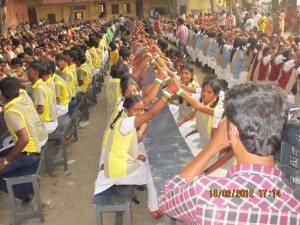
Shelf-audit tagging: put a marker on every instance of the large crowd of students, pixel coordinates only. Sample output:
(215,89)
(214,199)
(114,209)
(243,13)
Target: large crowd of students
(44,73)
(57,63)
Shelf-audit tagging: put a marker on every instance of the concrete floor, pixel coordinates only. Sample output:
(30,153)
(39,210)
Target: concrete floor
(68,194)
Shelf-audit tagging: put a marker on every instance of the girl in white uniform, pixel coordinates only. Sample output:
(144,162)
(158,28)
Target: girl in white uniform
(123,163)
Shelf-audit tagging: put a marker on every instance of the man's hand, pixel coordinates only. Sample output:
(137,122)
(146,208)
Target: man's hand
(162,73)
(173,85)
(220,139)
(2,163)
(180,122)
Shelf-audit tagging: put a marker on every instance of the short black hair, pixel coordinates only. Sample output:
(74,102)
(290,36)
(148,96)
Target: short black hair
(113,46)
(37,66)
(10,87)
(16,61)
(28,51)
(72,53)
(180,20)
(118,70)
(82,58)
(52,65)
(61,56)
(259,110)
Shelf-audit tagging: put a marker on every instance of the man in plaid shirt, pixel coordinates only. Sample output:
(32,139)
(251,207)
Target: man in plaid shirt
(253,191)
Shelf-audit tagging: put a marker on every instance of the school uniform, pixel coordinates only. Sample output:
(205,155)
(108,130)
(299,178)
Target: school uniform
(63,95)
(204,124)
(42,96)
(276,68)
(263,69)
(254,64)
(288,76)
(84,74)
(51,85)
(121,166)
(17,116)
(186,109)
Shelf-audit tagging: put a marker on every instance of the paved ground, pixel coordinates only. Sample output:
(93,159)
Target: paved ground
(68,195)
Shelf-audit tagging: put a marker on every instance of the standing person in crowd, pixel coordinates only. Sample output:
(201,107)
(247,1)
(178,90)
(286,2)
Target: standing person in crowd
(182,36)
(268,25)
(249,22)
(256,18)
(296,23)
(277,63)
(281,21)
(261,22)
(195,198)
(222,19)
(121,22)
(288,73)
(229,21)
(244,12)
(157,27)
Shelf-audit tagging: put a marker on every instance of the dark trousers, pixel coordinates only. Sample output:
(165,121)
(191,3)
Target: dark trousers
(72,106)
(183,49)
(20,162)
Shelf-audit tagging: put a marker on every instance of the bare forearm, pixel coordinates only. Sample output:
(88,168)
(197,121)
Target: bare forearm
(198,164)
(157,107)
(20,144)
(190,90)
(151,95)
(197,105)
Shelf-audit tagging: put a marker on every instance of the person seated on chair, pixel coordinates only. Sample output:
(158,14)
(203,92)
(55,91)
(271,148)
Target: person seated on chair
(62,91)
(21,122)
(123,164)
(253,191)
(42,97)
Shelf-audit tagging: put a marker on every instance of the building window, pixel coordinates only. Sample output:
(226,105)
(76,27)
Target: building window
(100,8)
(115,8)
(127,8)
(78,15)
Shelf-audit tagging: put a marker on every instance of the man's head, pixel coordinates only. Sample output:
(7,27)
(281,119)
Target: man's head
(61,61)
(35,71)
(71,56)
(258,110)
(9,87)
(180,21)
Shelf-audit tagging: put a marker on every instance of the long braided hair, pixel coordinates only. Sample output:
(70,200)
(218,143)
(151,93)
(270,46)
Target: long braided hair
(129,101)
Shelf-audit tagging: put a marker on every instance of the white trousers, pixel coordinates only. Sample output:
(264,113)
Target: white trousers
(51,126)
(139,177)
(62,109)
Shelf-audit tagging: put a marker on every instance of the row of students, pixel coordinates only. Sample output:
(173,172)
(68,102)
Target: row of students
(237,56)
(37,87)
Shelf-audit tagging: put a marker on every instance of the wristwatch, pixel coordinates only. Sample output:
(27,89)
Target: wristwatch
(5,162)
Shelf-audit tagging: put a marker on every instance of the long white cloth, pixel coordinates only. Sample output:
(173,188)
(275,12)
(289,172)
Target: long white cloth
(139,177)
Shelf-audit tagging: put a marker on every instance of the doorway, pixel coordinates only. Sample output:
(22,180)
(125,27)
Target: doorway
(102,10)
(32,15)
(139,8)
(51,18)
